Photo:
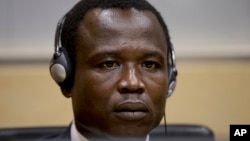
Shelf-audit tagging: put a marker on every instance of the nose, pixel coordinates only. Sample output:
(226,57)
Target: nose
(131,82)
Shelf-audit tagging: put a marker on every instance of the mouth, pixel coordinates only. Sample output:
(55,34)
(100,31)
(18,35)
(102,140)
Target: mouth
(131,111)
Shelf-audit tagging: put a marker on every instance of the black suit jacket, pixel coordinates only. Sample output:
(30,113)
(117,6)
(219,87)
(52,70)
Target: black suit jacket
(64,136)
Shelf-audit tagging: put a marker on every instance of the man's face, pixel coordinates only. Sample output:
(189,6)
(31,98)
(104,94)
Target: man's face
(121,73)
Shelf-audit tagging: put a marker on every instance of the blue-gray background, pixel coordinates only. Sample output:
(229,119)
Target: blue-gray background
(199,28)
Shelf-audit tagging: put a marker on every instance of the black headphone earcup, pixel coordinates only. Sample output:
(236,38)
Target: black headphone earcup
(171,88)
(171,81)
(60,68)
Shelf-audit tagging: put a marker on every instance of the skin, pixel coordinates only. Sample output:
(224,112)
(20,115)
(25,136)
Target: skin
(121,74)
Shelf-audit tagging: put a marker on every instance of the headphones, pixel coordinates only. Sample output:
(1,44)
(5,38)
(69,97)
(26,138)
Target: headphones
(61,69)
(60,66)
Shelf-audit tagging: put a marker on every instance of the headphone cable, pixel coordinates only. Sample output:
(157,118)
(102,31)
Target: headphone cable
(165,123)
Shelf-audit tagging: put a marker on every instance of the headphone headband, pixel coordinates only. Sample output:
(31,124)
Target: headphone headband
(58,35)
(173,59)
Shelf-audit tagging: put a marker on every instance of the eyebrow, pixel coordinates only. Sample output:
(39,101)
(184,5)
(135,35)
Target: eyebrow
(104,53)
(101,54)
(154,54)
(108,53)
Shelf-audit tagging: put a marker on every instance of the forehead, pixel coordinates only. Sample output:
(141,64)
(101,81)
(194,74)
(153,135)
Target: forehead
(119,19)
(103,25)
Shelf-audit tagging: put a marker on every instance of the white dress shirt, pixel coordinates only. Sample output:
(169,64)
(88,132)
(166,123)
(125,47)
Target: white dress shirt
(75,135)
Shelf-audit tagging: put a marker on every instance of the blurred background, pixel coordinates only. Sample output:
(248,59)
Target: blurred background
(212,44)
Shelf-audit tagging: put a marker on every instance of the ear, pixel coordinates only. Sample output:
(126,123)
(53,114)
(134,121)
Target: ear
(66,92)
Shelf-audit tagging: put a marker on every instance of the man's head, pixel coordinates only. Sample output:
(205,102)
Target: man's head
(118,50)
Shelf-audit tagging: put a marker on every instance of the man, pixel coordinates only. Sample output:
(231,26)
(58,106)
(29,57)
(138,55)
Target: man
(112,59)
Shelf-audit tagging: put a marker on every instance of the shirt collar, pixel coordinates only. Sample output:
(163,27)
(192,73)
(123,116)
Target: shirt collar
(75,135)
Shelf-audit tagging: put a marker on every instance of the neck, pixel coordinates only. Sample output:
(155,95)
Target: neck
(94,134)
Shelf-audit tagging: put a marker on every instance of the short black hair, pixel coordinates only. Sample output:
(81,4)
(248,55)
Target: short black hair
(77,13)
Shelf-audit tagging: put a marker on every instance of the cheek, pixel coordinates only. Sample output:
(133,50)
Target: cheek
(158,101)
(157,90)
(91,91)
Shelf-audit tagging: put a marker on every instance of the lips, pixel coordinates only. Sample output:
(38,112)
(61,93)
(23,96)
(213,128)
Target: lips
(130,110)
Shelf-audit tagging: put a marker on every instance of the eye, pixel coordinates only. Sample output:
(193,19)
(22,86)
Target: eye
(150,65)
(108,65)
